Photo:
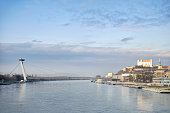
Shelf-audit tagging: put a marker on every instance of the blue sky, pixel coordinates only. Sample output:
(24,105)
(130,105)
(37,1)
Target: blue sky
(83,37)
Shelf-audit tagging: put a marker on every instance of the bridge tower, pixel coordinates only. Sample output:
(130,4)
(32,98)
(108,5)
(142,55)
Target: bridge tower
(23,70)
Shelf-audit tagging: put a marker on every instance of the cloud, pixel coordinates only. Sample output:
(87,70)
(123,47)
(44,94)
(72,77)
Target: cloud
(88,43)
(37,41)
(126,39)
(78,59)
(132,13)
(65,24)
(56,49)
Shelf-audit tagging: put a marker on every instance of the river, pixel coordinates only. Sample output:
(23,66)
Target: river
(79,96)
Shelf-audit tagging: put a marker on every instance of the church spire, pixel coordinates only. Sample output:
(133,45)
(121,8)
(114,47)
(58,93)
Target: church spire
(160,62)
(160,65)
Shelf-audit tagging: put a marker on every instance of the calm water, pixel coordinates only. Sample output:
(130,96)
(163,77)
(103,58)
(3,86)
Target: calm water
(79,96)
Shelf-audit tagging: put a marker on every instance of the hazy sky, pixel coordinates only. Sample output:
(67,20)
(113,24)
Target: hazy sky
(83,37)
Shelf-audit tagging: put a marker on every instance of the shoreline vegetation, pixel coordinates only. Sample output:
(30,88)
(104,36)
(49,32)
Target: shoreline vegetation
(10,79)
(7,79)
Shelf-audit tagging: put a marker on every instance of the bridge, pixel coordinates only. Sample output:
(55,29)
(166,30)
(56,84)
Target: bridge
(45,78)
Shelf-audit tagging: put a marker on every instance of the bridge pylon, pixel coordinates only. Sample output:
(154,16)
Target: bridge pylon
(23,70)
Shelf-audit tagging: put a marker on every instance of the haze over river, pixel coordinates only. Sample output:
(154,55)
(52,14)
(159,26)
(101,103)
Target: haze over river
(79,96)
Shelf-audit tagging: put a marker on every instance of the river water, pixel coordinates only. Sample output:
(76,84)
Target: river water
(79,96)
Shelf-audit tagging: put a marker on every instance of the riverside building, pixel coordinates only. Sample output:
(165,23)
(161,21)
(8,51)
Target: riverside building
(144,71)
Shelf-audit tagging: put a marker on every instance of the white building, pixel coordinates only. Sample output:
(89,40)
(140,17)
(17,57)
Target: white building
(109,75)
(144,63)
(125,77)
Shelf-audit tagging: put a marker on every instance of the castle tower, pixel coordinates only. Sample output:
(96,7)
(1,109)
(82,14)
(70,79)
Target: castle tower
(144,63)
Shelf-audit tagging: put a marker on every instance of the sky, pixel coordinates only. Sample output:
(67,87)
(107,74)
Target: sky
(82,37)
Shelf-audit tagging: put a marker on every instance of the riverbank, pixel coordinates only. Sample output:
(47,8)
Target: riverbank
(7,80)
(158,88)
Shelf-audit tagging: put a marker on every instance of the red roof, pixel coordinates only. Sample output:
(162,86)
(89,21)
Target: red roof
(146,61)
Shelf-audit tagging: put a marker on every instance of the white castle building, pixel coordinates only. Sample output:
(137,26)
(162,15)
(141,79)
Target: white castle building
(144,63)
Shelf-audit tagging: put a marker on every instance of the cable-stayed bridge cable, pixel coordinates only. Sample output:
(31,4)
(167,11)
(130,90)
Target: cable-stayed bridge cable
(14,69)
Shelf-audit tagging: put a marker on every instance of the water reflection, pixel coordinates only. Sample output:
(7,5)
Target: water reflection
(21,94)
(124,91)
(124,96)
(144,102)
(99,90)
(109,93)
